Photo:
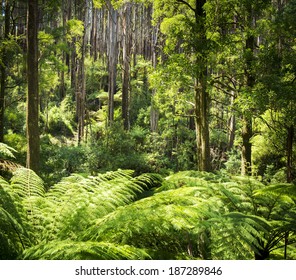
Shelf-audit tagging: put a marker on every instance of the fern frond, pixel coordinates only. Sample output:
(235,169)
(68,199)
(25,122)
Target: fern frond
(13,230)
(279,189)
(238,235)
(6,154)
(161,222)
(76,201)
(71,250)
(26,183)
(9,165)
(14,234)
(6,151)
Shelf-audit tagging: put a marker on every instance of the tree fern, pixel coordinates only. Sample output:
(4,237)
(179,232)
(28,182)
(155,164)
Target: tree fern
(117,215)
(75,201)
(73,250)
(13,227)
(7,158)
(161,223)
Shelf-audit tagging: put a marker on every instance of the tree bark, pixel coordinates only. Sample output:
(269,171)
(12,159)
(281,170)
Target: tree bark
(154,114)
(247,133)
(32,117)
(246,168)
(290,139)
(112,59)
(201,94)
(3,66)
(81,82)
(126,47)
(202,125)
(94,35)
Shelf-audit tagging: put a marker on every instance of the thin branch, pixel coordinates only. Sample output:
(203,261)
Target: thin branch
(187,4)
(217,81)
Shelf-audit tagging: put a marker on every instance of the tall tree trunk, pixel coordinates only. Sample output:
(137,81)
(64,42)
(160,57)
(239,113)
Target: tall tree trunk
(247,131)
(246,168)
(126,65)
(231,126)
(81,82)
(154,114)
(94,35)
(290,139)
(33,138)
(62,88)
(112,59)
(202,125)
(3,66)
(201,94)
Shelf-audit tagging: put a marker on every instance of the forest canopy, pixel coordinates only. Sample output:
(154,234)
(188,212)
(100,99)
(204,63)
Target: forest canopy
(170,124)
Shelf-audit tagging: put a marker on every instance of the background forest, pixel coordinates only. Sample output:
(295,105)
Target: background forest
(147,129)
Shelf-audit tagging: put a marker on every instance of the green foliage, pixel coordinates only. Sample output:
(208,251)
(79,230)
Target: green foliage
(7,158)
(116,215)
(75,28)
(60,120)
(73,250)
(6,151)
(49,225)
(121,214)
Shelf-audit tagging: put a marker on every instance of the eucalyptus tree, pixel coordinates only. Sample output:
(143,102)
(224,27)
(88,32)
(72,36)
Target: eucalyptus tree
(277,81)
(184,25)
(3,64)
(126,57)
(239,30)
(32,119)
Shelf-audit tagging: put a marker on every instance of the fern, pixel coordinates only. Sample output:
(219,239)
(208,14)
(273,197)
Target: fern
(72,250)
(13,227)
(161,222)
(26,184)
(117,215)
(6,151)
(75,201)
(7,157)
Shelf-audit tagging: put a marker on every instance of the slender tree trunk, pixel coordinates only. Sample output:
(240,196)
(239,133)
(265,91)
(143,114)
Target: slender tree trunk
(290,139)
(81,82)
(126,66)
(62,88)
(94,35)
(246,168)
(201,94)
(247,133)
(201,125)
(3,66)
(112,59)
(154,114)
(33,145)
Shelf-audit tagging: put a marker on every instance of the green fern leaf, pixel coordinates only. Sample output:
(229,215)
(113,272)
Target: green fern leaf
(71,250)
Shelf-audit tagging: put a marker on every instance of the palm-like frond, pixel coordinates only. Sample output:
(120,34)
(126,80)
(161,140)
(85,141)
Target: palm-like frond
(7,157)
(73,250)
(74,202)
(26,184)
(13,228)
(161,223)
(280,188)
(6,151)
(116,215)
